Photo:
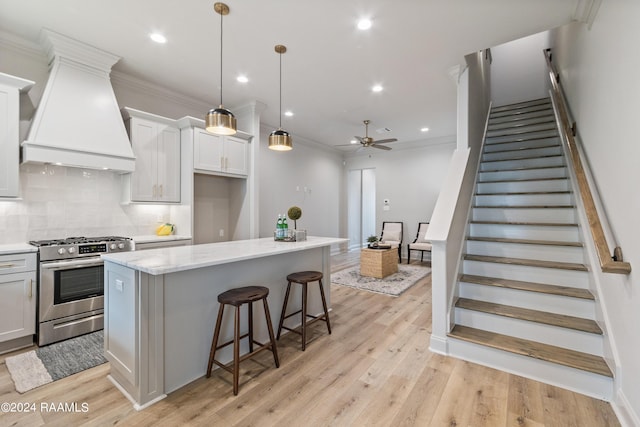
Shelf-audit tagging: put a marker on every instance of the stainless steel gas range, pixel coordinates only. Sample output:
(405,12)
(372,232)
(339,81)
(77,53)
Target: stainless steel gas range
(71,285)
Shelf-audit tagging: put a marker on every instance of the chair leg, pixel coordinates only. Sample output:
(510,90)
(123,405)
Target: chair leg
(274,350)
(216,336)
(324,305)
(304,316)
(421,256)
(236,351)
(284,309)
(250,315)
(408,254)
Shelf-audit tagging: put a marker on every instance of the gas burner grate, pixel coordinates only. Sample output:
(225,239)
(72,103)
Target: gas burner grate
(77,240)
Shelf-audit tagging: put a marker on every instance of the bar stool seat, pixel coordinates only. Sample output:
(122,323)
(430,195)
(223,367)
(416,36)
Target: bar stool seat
(237,297)
(303,278)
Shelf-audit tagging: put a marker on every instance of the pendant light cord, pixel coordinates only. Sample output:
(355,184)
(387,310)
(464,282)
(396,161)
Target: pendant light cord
(221,59)
(280,126)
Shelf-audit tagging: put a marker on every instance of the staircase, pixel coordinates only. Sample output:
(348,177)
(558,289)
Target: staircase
(524,303)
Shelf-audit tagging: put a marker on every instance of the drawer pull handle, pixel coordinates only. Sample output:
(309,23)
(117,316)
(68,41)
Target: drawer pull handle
(30,288)
(7,265)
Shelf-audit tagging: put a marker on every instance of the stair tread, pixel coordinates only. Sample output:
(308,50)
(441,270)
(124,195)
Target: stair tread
(525,241)
(525,206)
(520,169)
(571,358)
(528,286)
(534,138)
(522,179)
(547,156)
(523,193)
(532,115)
(536,224)
(537,316)
(532,102)
(519,150)
(528,262)
(515,124)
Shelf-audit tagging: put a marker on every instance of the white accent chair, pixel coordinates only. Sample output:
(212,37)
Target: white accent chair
(392,235)
(420,243)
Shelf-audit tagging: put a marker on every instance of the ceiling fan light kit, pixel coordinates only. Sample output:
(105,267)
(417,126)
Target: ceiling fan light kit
(220,121)
(367,141)
(280,139)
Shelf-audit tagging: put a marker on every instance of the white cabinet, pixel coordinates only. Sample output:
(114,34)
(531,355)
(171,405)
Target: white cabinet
(18,294)
(156,144)
(225,155)
(10,88)
(162,244)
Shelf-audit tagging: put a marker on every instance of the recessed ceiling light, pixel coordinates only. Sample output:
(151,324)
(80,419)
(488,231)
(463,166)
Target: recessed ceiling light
(242,79)
(158,38)
(377,88)
(288,113)
(364,24)
(424,130)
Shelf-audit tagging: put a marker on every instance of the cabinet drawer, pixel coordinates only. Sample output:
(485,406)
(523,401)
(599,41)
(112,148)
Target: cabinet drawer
(17,263)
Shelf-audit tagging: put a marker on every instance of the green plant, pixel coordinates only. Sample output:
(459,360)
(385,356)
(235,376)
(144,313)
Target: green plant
(372,239)
(294,213)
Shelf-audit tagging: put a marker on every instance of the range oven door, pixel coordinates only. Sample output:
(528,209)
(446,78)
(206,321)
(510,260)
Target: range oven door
(71,298)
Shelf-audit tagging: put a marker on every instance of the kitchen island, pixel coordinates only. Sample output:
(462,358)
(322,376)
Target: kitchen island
(161,305)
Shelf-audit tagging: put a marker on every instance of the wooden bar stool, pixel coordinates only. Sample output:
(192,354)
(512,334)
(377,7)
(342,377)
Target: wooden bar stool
(303,278)
(237,297)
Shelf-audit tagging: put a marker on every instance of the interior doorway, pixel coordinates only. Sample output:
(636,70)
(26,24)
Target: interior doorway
(361,207)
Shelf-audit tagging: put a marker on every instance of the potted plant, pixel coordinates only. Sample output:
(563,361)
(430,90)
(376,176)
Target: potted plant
(294,213)
(373,241)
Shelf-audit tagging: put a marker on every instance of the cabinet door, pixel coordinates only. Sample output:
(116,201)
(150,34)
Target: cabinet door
(168,157)
(235,156)
(208,153)
(17,305)
(144,140)
(9,157)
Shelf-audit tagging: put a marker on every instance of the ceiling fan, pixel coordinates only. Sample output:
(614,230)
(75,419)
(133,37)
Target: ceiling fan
(367,141)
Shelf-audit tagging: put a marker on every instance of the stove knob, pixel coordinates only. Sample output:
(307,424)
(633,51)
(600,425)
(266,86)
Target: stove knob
(112,246)
(62,251)
(72,250)
(120,245)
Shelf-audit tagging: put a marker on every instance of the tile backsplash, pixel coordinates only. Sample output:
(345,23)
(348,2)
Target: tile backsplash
(59,202)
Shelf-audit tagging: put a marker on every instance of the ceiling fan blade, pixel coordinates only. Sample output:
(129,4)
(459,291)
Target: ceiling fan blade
(360,149)
(347,145)
(380,147)
(359,138)
(384,141)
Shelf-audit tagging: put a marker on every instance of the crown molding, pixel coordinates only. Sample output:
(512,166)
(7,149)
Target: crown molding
(586,11)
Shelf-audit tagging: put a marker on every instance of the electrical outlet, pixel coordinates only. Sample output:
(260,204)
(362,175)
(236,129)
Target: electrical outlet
(221,232)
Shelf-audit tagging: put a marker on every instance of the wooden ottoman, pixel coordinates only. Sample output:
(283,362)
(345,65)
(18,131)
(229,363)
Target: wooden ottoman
(378,262)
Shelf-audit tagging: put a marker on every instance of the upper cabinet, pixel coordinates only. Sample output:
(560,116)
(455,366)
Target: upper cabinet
(10,88)
(156,144)
(217,154)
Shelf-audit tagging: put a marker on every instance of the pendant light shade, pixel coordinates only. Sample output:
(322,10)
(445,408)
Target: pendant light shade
(279,139)
(220,121)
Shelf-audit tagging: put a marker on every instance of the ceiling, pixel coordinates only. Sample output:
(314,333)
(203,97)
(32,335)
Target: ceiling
(329,68)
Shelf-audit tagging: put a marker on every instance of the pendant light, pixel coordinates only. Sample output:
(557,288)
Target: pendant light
(220,121)
(280,140)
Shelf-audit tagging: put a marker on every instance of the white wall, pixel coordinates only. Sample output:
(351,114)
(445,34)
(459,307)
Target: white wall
(518,70)
(410,178)
(284,176)
(598,68)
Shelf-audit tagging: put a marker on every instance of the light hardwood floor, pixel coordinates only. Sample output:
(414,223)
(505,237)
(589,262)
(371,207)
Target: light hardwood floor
(374,369)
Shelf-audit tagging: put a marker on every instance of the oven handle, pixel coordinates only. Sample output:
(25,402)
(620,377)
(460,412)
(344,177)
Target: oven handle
(66,265)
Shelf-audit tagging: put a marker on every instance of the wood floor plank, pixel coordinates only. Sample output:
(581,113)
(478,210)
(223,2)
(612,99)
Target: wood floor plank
(321,386)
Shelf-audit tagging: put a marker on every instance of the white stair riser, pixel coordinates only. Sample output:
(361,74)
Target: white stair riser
(545,199)
(522,121)
(524,186)
(520,130)
(546,334)
(521,107)
(555,172)
(527,251)
(537,162)
(523,116)
(542,232)
(550,276)
(597,386)
(513,138)
(555,150)
(532,143)
(548,215)
(560,304)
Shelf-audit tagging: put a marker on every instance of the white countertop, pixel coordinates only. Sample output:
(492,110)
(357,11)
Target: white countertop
(17,248)
(171,260)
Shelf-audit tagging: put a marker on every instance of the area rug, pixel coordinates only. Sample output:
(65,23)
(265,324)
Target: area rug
(56,361)
(394,284)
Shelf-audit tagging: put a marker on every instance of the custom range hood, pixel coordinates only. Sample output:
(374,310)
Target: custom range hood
(78,121)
